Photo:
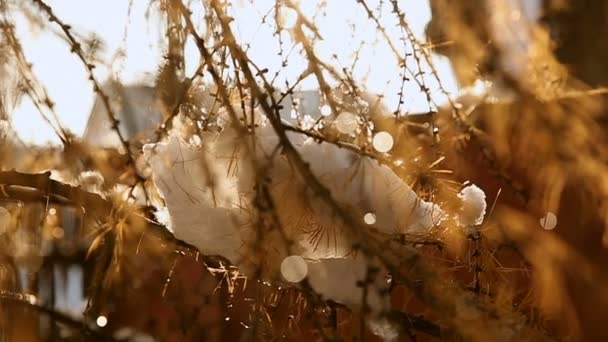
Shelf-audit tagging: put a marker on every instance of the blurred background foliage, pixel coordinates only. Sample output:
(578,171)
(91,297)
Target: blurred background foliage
(82,257)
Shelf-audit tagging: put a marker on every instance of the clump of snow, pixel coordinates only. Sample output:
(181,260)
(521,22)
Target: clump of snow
(349,280)
(91,181)
(219,176)
(473,205)
(162,216)
(189,176)
(384,328)
(209,192)
(362,185)
(224,118)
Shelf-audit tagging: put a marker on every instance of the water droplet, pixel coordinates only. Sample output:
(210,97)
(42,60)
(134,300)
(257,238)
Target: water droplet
(369,218)
(548,222)
(101,321)
(346,123)
(294,268)
(383,142)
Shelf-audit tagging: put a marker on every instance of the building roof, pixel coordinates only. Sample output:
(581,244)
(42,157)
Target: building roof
(136,109)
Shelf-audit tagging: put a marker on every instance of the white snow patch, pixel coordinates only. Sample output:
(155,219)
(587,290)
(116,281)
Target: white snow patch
(343,280)
(91,181)
(473,205)
(209,195)
(384,329)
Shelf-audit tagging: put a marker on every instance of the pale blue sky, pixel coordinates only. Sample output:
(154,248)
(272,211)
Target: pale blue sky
(68,86)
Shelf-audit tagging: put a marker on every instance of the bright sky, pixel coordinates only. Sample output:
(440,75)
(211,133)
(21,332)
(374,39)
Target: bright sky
(344,28)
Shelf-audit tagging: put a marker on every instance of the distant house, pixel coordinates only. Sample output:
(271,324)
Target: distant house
(308,103)
(136,109)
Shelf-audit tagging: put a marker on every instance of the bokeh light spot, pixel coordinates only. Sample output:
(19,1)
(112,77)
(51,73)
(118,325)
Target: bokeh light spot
(294,268)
